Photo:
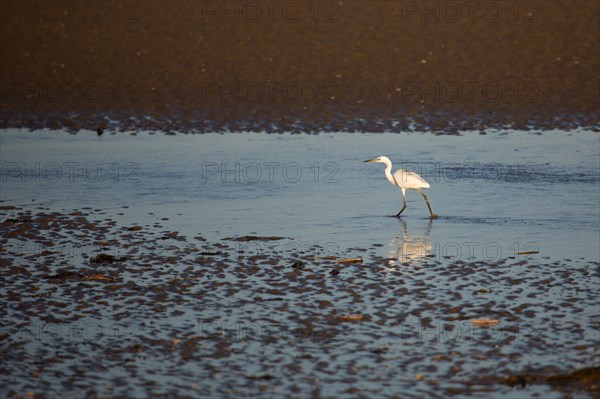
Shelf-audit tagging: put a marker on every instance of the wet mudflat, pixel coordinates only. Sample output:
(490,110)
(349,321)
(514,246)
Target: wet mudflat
(175,314)
(174,279)
(302,66)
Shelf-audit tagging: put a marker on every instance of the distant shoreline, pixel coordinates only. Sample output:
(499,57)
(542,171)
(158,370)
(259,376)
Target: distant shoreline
(359,66)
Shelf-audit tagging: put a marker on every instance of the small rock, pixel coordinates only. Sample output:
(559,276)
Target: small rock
(98,277)
(351,317)
(485,322)
(104,258)
(298,265)
(358,259)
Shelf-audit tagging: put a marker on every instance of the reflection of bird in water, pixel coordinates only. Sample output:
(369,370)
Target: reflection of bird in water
(410,247)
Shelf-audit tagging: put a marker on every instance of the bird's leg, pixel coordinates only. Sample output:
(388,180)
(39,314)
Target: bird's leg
(431,214)
(403,208)
(399,213)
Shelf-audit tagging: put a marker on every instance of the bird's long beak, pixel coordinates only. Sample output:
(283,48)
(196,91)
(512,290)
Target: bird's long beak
(370,160)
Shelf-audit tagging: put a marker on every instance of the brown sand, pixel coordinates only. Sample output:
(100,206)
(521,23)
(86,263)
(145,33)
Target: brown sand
(300,65)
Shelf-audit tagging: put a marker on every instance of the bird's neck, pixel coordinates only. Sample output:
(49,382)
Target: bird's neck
(388,173)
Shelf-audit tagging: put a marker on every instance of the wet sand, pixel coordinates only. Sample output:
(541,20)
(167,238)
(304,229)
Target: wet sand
(355,65)
(121,311)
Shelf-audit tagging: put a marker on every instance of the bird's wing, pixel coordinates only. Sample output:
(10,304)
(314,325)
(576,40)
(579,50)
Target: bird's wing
(408,179)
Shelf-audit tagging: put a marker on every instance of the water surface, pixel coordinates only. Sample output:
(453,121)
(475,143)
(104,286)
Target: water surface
(501,193)
(194,312)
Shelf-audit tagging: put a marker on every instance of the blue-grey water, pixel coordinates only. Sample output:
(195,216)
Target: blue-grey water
(518,227)
(496,194)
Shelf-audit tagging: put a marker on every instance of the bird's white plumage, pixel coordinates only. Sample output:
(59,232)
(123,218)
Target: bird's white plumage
(402,178)
(409,180)
(405,180)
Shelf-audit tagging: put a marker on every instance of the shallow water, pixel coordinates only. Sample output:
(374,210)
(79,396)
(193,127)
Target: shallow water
(250,325)
(495,194)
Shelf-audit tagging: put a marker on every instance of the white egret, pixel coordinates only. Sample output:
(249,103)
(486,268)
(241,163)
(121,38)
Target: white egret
(405,180)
